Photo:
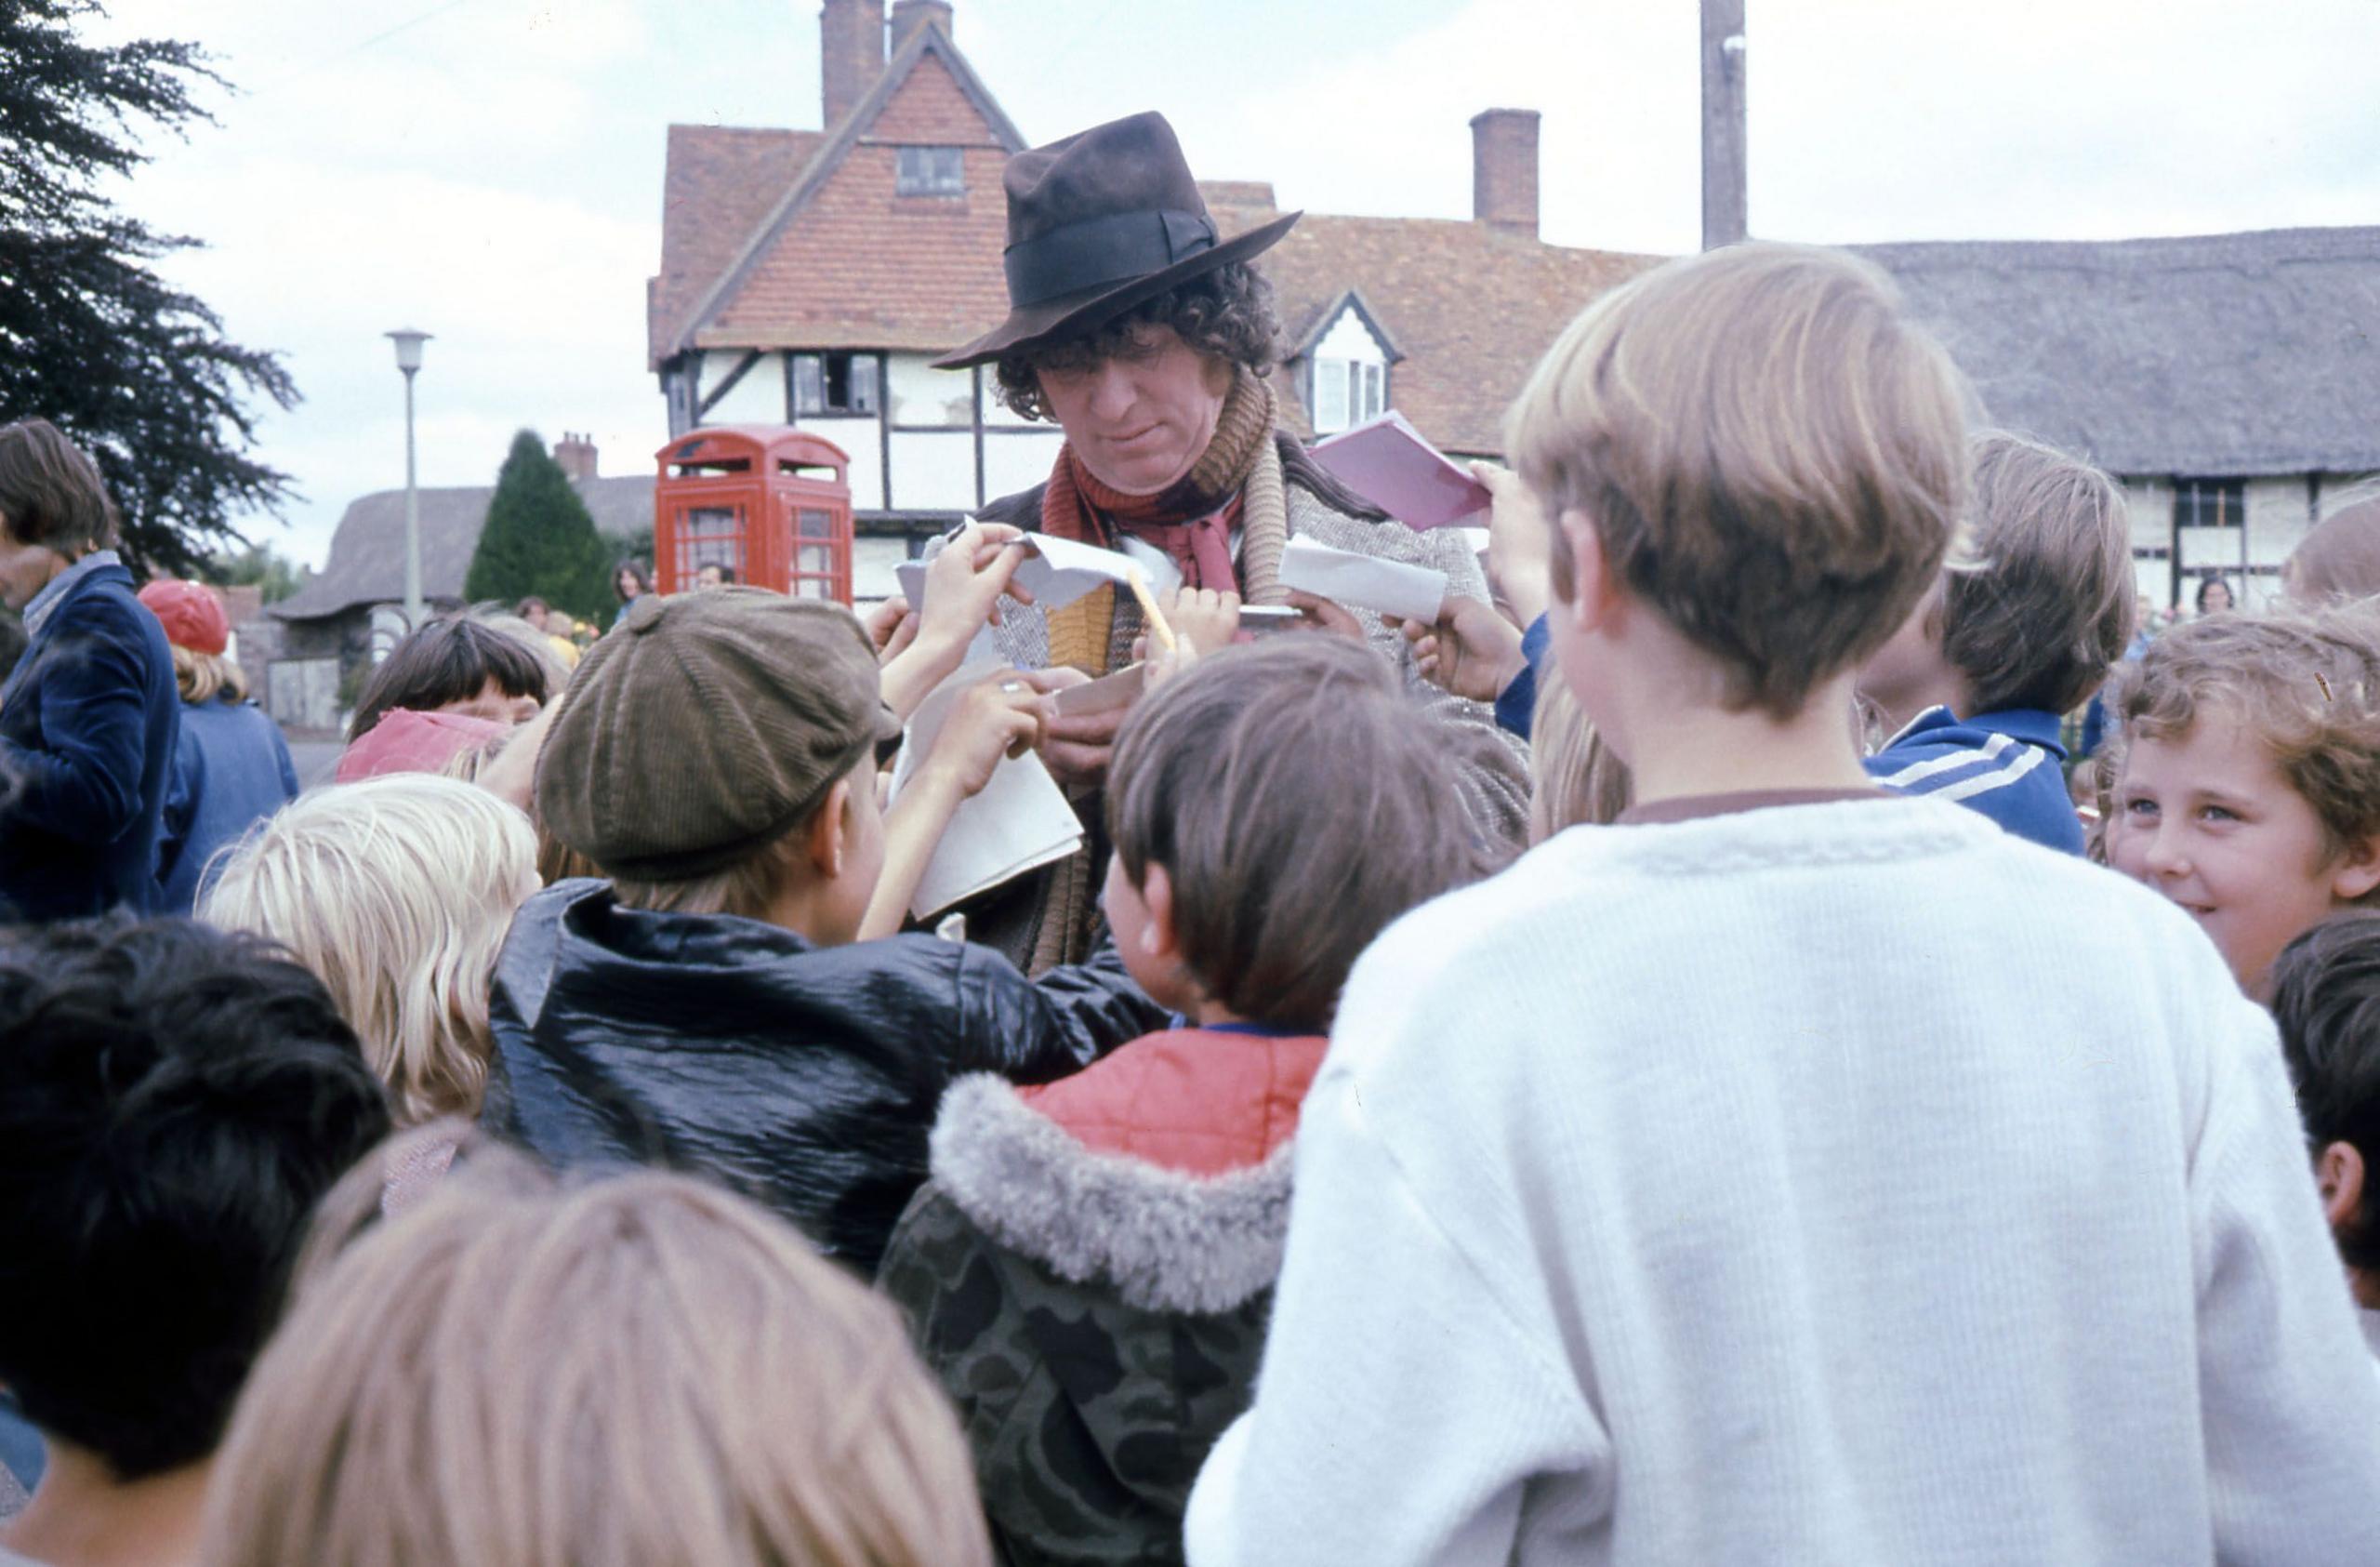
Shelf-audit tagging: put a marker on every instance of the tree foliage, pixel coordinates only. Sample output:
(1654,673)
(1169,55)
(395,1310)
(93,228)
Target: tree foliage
(540,539)
(258,566)
(134,370)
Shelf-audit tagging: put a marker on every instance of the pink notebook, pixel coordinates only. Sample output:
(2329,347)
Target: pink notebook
(1389,463)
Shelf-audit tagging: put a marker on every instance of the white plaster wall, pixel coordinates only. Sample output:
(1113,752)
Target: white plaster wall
(933,470)
(862,440)
(1018,462)
(921,394)
(2150,501)
(873,557)
(759,398)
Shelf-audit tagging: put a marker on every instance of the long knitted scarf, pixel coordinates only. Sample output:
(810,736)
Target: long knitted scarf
(1237,479)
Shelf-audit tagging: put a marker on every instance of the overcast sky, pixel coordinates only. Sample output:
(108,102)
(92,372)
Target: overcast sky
(490,170)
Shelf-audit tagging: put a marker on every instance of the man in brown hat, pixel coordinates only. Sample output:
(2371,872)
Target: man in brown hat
(716,758)
(1148,338)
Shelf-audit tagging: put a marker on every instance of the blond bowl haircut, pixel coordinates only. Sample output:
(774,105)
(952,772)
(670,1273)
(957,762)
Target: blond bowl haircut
(1574,778)
(396,892)
(2305,685)
(2047,608)
(201,677)
(1772,455)
(642,1371)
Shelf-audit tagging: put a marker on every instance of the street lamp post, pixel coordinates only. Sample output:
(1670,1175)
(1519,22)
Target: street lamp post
(409,343)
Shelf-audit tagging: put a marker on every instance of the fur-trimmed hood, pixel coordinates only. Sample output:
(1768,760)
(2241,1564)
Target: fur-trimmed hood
(1089,1207)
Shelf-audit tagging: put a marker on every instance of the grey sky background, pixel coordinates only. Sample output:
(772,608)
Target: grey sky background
(490,170)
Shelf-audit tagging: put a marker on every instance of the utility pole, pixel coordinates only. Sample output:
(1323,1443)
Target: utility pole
(1723,122)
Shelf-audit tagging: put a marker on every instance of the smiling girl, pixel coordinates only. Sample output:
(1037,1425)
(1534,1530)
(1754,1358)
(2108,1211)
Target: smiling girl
(2247,776)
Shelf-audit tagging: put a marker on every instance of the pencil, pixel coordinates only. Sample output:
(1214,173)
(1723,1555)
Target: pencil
(1156,616)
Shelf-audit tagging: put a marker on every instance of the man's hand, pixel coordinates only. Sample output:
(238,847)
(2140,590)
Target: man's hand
(1326,615)
(1075,746)
(1520,542)
(1000,715)
(1472,651)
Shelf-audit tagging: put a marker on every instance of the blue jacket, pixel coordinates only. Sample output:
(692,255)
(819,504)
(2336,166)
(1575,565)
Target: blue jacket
(1516,704)
(87,724)
(231,768)
(2007,765)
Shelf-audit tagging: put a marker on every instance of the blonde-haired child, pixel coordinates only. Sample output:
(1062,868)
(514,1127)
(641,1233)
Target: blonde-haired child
(2246,774)
(642,1370)
(396,893)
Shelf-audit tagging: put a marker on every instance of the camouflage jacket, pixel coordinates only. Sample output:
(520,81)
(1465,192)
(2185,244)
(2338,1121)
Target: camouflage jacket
(1096,1318)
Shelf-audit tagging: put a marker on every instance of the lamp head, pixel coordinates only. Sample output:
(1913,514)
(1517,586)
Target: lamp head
(408,343)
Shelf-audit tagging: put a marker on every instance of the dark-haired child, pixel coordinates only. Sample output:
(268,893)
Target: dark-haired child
(176,1101)
(2326,998)
(1273,809)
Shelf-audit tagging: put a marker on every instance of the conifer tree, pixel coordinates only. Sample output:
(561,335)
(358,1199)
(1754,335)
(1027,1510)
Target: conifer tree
(539,540)
(134,370)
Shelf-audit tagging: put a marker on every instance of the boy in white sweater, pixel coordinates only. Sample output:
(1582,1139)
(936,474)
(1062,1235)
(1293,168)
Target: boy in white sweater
(1726,1186)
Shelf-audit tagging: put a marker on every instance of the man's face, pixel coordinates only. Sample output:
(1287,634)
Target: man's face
(535,615)
(1140,419)
(710,577)
(25,569)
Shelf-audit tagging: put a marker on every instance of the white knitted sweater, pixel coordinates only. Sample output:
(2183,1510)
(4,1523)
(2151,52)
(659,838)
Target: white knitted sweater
(1829,1183)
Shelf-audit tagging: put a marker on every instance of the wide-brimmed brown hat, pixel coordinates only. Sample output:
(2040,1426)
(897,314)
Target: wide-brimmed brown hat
(1097,223)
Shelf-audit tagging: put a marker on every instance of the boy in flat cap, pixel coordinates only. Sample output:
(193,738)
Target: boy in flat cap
(711,1004)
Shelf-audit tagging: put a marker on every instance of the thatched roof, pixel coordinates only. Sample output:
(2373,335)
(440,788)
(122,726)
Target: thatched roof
(2229,355)
(367,560)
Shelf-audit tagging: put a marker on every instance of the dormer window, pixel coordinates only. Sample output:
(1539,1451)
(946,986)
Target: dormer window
(1347,371)
(930,172)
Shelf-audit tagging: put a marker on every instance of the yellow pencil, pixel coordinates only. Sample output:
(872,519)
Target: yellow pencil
(1156,616)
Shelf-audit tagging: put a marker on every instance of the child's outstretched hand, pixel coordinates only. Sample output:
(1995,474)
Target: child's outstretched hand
(1000,715)
(1472,651)
(974,570)
(1203,617)
(1520,541)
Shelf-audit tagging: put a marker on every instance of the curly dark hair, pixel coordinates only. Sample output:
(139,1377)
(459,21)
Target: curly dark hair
(1227,313)
(177,1100)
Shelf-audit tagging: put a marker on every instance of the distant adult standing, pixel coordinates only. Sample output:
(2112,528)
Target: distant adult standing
(630,582)
(714,574)
(89,716)
(231,768)
(2214,596)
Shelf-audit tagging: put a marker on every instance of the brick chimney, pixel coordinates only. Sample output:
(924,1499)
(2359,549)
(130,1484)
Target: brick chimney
(1503,169)
(576,455)
(909,15)
(851,54)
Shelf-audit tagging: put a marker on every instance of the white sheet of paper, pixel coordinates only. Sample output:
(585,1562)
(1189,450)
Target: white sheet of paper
(1019,822)
(1062,571)
(1410,593)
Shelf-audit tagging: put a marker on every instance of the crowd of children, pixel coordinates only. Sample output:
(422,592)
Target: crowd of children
(1822,1144)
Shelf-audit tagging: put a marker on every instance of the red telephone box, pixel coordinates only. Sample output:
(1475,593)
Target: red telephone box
(767,501)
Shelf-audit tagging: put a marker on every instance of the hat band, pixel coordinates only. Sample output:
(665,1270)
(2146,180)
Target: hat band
(1097,250)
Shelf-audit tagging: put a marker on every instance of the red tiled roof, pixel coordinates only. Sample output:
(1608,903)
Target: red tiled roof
(831,255)
(718,183)
(791,239)
(1470,306)
(861,267)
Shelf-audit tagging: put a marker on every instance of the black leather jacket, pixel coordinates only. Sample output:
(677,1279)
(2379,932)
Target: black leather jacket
(805,1076)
